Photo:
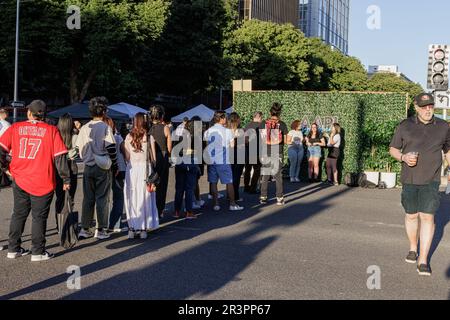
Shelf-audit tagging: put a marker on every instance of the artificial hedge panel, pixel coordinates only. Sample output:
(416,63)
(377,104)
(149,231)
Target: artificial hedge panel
(368,120)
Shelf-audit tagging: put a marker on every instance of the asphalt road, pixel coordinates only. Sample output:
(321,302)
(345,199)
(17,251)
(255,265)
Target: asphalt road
(318,246)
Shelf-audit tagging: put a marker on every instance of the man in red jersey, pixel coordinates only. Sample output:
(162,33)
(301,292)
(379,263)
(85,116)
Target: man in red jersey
(36,149)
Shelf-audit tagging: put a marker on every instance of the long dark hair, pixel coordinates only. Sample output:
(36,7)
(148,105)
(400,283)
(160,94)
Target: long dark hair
(318,134)
(275,111)
(65,127)
(139,131)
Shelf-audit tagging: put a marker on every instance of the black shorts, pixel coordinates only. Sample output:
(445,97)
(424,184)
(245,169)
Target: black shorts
(421,198)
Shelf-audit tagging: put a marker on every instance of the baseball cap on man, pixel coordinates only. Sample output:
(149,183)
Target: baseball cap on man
(37,108)
(424,99)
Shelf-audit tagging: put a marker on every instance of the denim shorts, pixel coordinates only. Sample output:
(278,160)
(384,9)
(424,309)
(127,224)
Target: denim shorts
(220,171)
(314,152)
(421,198)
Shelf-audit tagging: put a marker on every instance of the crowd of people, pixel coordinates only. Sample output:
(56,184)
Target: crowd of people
(130,172)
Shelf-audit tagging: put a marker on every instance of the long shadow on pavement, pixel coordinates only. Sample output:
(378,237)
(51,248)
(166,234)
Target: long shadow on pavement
(203,269)
(206,267)
(442,218)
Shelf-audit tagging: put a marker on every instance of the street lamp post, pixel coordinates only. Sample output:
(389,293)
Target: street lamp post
(16,66)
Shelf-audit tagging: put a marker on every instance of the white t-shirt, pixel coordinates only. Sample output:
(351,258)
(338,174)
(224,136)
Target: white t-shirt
(337,140)
(3,126)
(219,139)
(297,137)
(93,138)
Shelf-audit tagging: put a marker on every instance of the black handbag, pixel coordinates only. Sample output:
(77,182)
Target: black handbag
(153,177)
(5,181)
(67,225)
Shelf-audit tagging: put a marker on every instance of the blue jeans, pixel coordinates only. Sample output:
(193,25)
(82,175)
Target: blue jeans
(115,217)
(295,153)
(185,182)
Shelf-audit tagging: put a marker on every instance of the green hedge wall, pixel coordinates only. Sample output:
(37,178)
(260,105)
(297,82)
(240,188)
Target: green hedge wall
(362,115)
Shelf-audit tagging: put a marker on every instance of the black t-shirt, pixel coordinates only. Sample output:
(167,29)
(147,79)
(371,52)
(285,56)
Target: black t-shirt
(253,142)
(429,140)
(276,135)
(157,131)
(317,139)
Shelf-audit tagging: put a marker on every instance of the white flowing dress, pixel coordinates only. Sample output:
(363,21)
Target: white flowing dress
(140,205)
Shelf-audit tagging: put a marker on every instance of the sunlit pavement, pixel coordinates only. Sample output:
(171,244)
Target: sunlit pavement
(325,243)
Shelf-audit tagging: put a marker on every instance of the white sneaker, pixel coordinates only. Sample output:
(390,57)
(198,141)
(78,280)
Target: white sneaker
(22,252)
(143,234)
(196,206)
(219,196)
(101,234)
(216,208)
(41,257)
(297,180)
(280,201)
(84,234)
(293,180)
(130,234)
(236,208)
(200,203)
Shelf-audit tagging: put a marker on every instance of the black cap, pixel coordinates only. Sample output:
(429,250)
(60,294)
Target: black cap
(37,108)
(424,99)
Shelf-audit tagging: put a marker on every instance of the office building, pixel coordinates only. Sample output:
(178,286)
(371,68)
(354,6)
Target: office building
(387,69)
(327,20)
(278,11)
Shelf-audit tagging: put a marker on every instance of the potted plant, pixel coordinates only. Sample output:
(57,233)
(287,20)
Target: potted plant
(371,165)
(388,167)
(379,165)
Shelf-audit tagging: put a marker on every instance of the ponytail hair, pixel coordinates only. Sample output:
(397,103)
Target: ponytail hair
(156,113)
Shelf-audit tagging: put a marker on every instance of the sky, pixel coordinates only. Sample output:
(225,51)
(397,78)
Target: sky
(407,28)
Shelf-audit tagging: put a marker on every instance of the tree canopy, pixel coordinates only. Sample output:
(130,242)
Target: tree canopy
(132,50)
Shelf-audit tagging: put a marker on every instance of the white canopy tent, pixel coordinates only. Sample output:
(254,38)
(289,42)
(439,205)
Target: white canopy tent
(205,113)
(229,110)
(126,108)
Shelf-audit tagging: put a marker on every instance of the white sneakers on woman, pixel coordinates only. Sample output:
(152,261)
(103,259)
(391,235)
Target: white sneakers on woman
(142,234)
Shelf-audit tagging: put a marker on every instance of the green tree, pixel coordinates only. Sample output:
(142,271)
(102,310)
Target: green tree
(390,82)
(101,56)
(188,57)
(272,55)
(332,70)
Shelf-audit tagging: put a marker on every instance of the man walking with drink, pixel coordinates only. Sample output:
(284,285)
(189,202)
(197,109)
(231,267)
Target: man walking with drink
(418,143)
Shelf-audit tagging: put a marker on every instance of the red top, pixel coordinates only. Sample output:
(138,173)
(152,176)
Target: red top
(33,146)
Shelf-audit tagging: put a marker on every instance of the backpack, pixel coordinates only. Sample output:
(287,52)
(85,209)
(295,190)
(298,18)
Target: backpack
(352,179)
(272,137)
(358,180)
(364,183)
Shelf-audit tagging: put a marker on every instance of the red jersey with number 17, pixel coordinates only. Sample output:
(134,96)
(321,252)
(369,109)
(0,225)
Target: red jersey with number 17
(33,146)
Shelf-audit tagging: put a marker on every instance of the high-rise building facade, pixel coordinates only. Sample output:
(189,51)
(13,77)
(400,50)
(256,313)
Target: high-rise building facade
(278,11)
(327,20)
